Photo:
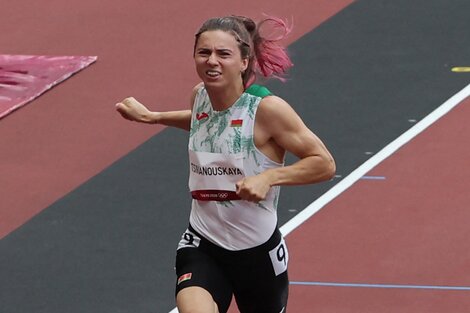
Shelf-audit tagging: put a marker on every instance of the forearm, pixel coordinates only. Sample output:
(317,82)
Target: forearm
(179,119)
(133,110)
(308,170)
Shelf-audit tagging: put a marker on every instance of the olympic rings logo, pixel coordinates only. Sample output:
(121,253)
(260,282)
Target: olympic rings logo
(223,195)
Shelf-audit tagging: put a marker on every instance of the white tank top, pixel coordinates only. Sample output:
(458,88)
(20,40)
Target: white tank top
(222,152)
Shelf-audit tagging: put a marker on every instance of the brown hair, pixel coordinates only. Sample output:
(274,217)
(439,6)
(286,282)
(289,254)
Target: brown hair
(264,55)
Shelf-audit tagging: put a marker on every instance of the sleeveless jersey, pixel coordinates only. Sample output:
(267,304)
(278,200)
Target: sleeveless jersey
(221,153)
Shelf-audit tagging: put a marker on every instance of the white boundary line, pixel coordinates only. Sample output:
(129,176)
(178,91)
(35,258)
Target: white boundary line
(349,180)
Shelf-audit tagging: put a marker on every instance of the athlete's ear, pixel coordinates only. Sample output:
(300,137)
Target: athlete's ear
(245,62)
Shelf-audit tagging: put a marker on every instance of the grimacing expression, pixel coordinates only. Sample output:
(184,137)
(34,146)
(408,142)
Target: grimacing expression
(218,58)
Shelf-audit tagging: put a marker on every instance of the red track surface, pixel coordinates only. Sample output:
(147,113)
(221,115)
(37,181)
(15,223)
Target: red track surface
(71,133)
(410,229)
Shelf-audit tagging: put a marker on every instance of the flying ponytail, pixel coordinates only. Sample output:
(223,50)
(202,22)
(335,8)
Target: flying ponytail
(270,58)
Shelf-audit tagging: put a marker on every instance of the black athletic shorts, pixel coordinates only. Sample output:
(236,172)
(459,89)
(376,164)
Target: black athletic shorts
(256,277)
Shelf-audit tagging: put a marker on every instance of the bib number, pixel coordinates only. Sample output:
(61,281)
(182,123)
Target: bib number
(189,240)
(279,258)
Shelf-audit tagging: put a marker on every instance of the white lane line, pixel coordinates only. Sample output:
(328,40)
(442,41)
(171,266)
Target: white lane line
(362,170)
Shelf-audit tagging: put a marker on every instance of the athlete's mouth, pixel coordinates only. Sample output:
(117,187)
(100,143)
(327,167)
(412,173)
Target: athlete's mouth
(212,73)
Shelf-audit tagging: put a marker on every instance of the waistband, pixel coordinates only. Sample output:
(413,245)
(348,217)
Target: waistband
(240,255)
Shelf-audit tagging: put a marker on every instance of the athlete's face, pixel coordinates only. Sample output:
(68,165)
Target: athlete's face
(218,59)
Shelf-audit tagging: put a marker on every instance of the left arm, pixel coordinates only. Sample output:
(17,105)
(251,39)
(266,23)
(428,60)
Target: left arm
(279,128)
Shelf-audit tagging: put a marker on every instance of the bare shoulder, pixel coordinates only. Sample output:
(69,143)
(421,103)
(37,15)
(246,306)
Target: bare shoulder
(274,110)
(270,103)
(197,87)
(194,93)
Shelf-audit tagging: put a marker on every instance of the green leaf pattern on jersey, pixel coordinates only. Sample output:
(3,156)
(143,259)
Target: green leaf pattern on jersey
(218,123)
(223,123)
(249,144)
(234,141)
(196,125)
(209,141)
(242,103)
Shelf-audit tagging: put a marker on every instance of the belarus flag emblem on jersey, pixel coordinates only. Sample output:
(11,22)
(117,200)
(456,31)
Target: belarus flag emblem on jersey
(236,123)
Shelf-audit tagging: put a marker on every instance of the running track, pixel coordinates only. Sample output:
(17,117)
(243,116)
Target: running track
(101,244)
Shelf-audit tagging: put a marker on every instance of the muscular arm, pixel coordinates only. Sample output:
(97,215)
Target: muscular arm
(290,133)
(279,129)
(133,110)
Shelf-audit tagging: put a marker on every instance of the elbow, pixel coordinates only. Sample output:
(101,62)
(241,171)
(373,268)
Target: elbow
(329,169)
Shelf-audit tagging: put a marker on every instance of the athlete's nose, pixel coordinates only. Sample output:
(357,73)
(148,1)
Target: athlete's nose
(212,59)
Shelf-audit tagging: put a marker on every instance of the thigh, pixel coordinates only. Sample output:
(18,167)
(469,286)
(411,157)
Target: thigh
(195,299)
(195,268)
(263,285)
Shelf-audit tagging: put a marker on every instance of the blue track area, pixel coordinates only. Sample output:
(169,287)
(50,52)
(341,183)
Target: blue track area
(360,80)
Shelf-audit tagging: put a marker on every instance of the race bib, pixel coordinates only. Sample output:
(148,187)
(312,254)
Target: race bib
(279,258)
(189,240)
(213,175)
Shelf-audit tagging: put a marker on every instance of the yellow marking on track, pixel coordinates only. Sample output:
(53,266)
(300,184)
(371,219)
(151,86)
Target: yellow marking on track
(461,69)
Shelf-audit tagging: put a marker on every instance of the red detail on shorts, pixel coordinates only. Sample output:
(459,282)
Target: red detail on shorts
(184,277)
(214,195)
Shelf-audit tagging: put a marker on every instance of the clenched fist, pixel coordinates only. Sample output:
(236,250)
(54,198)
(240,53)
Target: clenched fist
(133,110)
(253,188)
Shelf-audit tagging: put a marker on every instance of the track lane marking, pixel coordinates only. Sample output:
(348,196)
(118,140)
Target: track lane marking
(385,286)
(363,169)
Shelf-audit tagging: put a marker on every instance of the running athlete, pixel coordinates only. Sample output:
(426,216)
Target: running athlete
(239,134)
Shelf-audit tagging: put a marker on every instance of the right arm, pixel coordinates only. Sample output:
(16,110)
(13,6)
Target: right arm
(133,110)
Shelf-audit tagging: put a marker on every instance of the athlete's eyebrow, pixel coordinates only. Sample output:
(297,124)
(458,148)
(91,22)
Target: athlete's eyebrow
(221,50)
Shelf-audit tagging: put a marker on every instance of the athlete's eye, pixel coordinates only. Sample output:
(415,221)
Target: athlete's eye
(224,53)
(203,52)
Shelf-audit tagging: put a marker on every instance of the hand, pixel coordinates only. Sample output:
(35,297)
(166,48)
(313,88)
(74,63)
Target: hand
(253,188)
(133,110)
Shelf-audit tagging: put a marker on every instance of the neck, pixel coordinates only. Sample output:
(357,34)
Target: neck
(223,98)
